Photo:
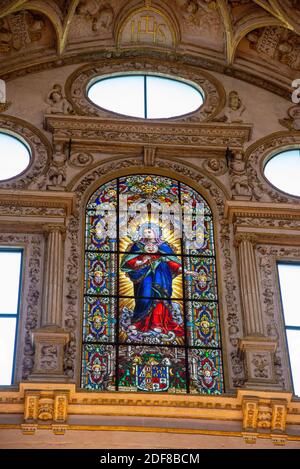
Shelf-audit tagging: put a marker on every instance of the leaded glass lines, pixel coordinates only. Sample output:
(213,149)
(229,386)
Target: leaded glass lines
(151,320)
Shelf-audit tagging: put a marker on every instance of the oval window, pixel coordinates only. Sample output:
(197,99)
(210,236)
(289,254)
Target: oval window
(283,171)
(14,156)
(145,96)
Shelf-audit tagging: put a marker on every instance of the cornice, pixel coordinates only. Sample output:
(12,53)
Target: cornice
(96,131)
(58,402)
(249,209)
(38,199)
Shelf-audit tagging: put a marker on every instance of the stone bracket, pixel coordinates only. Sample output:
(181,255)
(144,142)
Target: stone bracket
(264,416)
(45,407)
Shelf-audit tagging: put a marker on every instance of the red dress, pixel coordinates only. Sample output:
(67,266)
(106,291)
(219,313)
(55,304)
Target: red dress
(160,316)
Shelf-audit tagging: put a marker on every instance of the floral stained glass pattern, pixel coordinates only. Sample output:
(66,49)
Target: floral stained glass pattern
(151,320)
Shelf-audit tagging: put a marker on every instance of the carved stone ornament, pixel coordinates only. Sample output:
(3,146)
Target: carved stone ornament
(215,166)
(234,109)
(126,132)
(256,156)
(292,122)
(100,15)
(239,181)
(147,25)
(49,407)
(49,344)
(81,159)
(262,414)
(77,84)
(34,176)
(58,104)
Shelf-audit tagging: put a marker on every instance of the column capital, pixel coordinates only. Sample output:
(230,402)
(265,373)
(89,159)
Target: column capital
(54,228)
(242,237)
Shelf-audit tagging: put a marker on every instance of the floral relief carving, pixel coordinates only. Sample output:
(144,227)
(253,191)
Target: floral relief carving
(49,357)
(261,365)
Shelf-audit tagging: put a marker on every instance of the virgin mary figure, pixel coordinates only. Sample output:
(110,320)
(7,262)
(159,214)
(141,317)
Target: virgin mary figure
(151,265)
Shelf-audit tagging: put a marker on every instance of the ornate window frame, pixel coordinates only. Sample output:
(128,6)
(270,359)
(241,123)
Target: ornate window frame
(256,157)
(77,84)
(40,150)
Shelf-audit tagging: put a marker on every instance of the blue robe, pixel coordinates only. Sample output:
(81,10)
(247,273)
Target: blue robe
(151,280)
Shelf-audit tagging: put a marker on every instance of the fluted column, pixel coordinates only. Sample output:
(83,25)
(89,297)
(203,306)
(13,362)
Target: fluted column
(50,339)
(257,349)
(53,281)
(251,300)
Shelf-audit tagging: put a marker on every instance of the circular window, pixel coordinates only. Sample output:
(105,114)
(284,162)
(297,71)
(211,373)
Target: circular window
(145,96)
(283,171)
(14,156)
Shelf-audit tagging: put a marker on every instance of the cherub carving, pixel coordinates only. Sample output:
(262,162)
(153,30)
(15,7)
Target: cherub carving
(58,104)
(239,179)
(293,121)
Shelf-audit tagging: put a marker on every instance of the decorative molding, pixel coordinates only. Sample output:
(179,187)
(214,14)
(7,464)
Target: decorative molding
(147,25)
(77,83)
(45,406)
(96,132)
(206,61)
(38,200)
(262,414)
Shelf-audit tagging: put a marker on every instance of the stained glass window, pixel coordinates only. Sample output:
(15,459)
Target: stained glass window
(150,313)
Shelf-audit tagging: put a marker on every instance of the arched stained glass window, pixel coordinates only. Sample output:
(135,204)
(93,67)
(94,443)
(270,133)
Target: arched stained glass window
(151,319)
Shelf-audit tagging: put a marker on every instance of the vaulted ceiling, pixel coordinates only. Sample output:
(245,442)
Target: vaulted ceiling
(255,40)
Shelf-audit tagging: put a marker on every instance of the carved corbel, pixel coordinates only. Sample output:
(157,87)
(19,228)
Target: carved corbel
(49,407)
(262,415)
(149,155)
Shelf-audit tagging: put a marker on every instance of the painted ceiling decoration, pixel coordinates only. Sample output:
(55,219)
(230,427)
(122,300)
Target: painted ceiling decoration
(242,38)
